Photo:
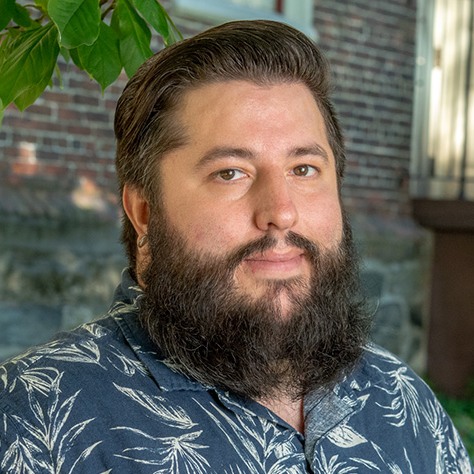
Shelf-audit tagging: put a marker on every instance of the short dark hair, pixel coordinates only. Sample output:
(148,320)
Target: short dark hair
(260,51)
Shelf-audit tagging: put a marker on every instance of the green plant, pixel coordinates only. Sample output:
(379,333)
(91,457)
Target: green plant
(101,37)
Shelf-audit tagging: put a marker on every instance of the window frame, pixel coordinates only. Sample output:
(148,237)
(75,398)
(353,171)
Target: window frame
(297,14)
(445,172)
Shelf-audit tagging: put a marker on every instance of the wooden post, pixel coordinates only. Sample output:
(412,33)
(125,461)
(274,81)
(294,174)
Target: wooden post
(450,362)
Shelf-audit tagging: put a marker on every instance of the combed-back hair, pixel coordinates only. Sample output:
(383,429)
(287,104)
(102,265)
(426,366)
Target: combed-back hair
(147,120)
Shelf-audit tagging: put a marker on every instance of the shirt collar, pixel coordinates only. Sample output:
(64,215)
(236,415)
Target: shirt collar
(326,409)
(125,311)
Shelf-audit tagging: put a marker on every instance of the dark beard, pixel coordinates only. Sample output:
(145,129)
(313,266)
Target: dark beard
(209,331)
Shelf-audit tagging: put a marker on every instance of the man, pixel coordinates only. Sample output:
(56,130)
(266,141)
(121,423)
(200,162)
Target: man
(236,342)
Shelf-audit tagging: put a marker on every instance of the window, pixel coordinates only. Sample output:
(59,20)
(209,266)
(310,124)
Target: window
(443,125)
(296,13)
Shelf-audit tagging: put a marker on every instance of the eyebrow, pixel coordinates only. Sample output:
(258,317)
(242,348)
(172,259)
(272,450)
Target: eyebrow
(314,149)
(217,153)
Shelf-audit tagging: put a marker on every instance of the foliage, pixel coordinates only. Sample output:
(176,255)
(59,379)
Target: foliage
(101,37)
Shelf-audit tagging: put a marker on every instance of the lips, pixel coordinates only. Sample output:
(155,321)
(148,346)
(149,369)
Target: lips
(272,256)
(276,264)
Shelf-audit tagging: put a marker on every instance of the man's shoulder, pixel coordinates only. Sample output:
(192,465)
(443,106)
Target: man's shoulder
(84,344)
(381,379)
(393,417)
(377,366)
(83,365)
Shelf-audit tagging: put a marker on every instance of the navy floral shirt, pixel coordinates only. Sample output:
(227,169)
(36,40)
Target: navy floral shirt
(100,400)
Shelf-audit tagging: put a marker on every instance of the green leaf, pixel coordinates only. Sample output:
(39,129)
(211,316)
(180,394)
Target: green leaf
(134,36)
(102,59)
(157,17)
(59,76)
(75,58)
(21,16)
(27,64)
(43,4)
(78,21)
(7,8)
(65,53)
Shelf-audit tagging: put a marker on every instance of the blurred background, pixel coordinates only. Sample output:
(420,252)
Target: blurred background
(404,90)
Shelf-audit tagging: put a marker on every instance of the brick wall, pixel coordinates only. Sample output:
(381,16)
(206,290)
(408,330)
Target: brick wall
(370,45)
(57,163)
(65,137)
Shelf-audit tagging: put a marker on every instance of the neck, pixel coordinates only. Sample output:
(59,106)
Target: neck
(288,410)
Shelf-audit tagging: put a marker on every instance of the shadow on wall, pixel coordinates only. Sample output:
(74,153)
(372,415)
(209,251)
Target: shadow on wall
(395,277)
(396,326)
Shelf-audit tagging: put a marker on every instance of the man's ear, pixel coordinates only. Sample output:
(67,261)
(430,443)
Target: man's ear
(137,209)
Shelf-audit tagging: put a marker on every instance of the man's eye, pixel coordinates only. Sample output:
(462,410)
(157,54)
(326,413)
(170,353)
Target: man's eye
(230,174)
(304,170)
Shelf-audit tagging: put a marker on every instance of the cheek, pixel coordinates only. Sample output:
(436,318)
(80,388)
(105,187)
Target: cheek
(211,230)
(325,223)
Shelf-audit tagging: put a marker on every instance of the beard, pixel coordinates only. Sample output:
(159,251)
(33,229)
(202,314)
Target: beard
(210,331)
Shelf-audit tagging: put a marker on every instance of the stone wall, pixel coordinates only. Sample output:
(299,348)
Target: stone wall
(395,275)
(55,274)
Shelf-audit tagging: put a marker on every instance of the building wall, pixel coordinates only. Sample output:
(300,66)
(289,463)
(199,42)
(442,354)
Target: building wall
(371,47)
(59,220)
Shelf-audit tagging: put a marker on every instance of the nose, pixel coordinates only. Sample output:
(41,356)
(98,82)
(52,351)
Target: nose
(274,205)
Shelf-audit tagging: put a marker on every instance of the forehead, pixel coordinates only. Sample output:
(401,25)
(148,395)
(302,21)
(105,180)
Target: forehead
(247,109)
(222,91)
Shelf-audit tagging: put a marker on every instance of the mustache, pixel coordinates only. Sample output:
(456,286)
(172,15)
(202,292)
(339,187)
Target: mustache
(268,242)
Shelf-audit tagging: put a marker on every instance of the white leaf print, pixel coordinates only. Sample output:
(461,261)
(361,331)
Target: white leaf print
(434,420)
(86,352)
(36,407)
(61,416)
(297,465)
(393,467)
(382,353)
(281,450)
(332,465)
(67,441)
(84,455)
(246,432)
(49,433)
(344,436)
(259,442)
(4,376)
(33,430)
(405,403)
(175,417)
(95,329)
(126,365)
(42,380)
(177,454)
(366,463)
(21,457)
(235,470)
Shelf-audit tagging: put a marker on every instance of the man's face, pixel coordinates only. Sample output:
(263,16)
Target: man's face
(251,279)
(256,163)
